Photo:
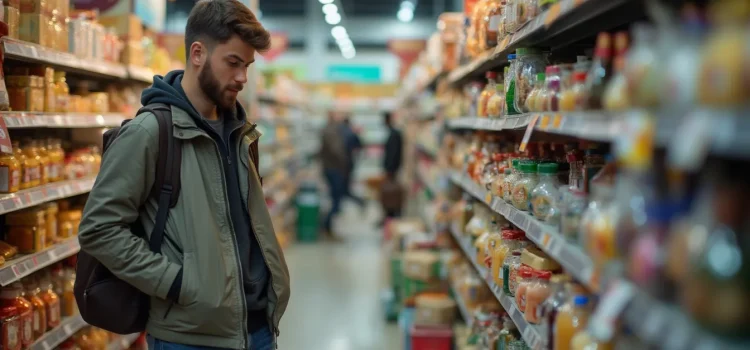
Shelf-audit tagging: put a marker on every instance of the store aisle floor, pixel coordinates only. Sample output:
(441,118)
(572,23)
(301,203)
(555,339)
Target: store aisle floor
(335,302)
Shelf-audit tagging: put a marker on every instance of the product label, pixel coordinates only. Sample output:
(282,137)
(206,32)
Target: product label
(37,322)
(53,314)
(27,332)
(520,197)
(540,205)
(15,179)
(5,179)
(10,333)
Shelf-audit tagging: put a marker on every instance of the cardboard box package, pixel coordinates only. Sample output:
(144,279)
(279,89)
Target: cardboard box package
(127,27)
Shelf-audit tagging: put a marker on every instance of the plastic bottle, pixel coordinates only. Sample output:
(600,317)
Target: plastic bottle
(599,74)
(510,86)
(572,318)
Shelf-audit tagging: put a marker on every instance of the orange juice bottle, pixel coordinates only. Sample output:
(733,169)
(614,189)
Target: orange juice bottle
(572,318)
(584,341)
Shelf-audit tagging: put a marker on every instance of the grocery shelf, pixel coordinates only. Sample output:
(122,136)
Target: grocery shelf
(424,178)
(56,336)
(15,120)
(45,193)
(271,99)
(30,52)
(22,266)
(428,151)
(462,308)
(597,126)
(546,237)
(142,74)
(530,333)
(565,22)
(419,88)
(123,342)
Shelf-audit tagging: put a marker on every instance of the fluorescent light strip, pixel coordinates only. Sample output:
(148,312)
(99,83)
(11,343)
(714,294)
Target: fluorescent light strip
(333,17)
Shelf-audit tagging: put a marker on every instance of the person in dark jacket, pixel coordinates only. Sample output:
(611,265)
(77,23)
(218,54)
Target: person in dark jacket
(335,163)
(353,146)
(391,196)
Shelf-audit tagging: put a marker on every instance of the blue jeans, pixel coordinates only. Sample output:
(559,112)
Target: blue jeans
(337,188)
(262,339)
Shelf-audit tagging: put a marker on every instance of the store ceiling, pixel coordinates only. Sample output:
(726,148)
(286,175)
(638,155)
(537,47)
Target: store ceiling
(359,8)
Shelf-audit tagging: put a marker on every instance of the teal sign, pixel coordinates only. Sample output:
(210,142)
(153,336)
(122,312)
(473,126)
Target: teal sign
(353,73)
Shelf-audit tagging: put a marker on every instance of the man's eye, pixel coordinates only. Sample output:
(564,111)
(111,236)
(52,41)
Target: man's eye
(234,63)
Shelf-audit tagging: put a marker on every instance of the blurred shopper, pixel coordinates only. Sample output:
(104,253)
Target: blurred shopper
(333,156)
(221,280)
(353,146)
(391,192)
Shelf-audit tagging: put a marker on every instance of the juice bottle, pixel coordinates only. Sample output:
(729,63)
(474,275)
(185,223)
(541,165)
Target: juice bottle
(32,170)
(573,317)
(13,296)
(52,303)
(584,341)
(10,173)
(62,93)
(39,317)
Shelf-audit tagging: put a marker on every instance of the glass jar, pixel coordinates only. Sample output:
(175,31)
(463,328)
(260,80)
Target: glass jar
(25,166)
(62,93)
(511,15)
(14,296)
(32,167)
(554,85)
(545,194)
(529,63)
(574,98)
(68,221)
(573,207)
(50,210)
(10,173)
(488,91)
(523,187)
(510,272)
(44,159)
(480,247)
(597,234)
(527,10)
(496,104)
(524,280)
(494,240)
(492,22)
(57,160)
(511,240)
(510,180)
(27,230)
(537,293)
(39,317)
(10,324)
(533,98)
(497,187)
(467,213)
(52,304)
(490,172)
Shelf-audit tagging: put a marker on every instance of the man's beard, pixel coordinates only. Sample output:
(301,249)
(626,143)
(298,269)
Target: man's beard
(211,87)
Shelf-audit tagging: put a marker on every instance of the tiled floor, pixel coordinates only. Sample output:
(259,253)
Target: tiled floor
(336,288)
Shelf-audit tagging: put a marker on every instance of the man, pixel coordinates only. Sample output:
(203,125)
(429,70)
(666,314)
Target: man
(221,279)
(353,146)
(333,157)
(391,192)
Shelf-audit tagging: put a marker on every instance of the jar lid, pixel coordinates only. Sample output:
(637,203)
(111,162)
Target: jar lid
(491,75)
(545,275)
(529,167)
(522,51)
(552,70)
(525,271)
(511,234)
(516,253)
(507,171)
(512,56)
(581,300)
(8,311)
(540,76)
(515,162)
(579,77)
(548,168)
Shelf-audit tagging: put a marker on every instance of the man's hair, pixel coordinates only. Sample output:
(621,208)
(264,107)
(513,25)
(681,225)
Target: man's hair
(387,118)
(216,21)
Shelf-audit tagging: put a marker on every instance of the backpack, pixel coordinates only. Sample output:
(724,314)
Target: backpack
(104,300)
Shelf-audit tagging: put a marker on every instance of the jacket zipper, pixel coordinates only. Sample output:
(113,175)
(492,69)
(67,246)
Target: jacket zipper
(236,246)
(274,328)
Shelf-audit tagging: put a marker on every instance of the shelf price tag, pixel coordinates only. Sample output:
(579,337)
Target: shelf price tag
(611,306)
(557,121)
(544,122)
(527,135)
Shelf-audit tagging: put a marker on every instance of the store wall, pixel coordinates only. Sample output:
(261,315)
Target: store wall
(388,63)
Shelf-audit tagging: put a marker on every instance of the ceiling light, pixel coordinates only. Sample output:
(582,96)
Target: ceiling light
(349,54)
(345,42)
(333,18)
(407,5)
(346,47)
(326,1)
(330,8)
(405,15)
(339,32)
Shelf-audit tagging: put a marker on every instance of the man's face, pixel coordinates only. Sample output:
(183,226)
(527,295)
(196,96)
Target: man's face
(224,74)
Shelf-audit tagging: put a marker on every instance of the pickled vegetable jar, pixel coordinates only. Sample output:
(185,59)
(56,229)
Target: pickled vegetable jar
(544,195)
(523,187)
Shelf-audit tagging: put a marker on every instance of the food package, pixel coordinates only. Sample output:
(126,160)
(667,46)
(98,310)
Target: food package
(421,265)
(125,26)
(34,28)
(434,309)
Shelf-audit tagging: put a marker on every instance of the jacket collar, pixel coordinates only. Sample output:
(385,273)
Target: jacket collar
(182,119)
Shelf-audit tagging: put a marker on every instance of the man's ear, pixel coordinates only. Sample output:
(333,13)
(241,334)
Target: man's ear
(198,53)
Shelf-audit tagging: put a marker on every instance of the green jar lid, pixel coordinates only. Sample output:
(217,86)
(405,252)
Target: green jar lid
(515,163)
(522,51)
(541,76)
(507,171)
(529,168)
(548,168)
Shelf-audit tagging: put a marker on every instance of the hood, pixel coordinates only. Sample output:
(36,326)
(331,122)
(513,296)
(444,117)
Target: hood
(168,90)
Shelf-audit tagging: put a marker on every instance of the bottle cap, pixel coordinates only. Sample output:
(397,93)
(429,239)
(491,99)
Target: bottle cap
(548,168)
(515,163)
(580,300)
(579,77)
(512,56)
(540,76)
(552,70)
(491,75)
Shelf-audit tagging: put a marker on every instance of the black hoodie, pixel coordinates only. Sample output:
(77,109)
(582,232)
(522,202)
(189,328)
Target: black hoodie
(255,273)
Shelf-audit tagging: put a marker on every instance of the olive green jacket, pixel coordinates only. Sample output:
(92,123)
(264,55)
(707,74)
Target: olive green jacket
(210,309)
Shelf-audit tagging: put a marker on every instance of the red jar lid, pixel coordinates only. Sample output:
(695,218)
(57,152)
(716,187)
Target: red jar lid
(545,275)
(8,311)
(526,271)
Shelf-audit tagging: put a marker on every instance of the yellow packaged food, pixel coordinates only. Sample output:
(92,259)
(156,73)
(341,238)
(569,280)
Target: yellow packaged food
(51,210)
(10,173)
(27,230)
(34,159)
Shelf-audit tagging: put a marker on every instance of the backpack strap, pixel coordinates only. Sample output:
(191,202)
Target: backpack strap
(167,185)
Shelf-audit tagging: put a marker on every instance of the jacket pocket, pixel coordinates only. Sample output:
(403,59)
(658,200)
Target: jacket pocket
(188,287)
